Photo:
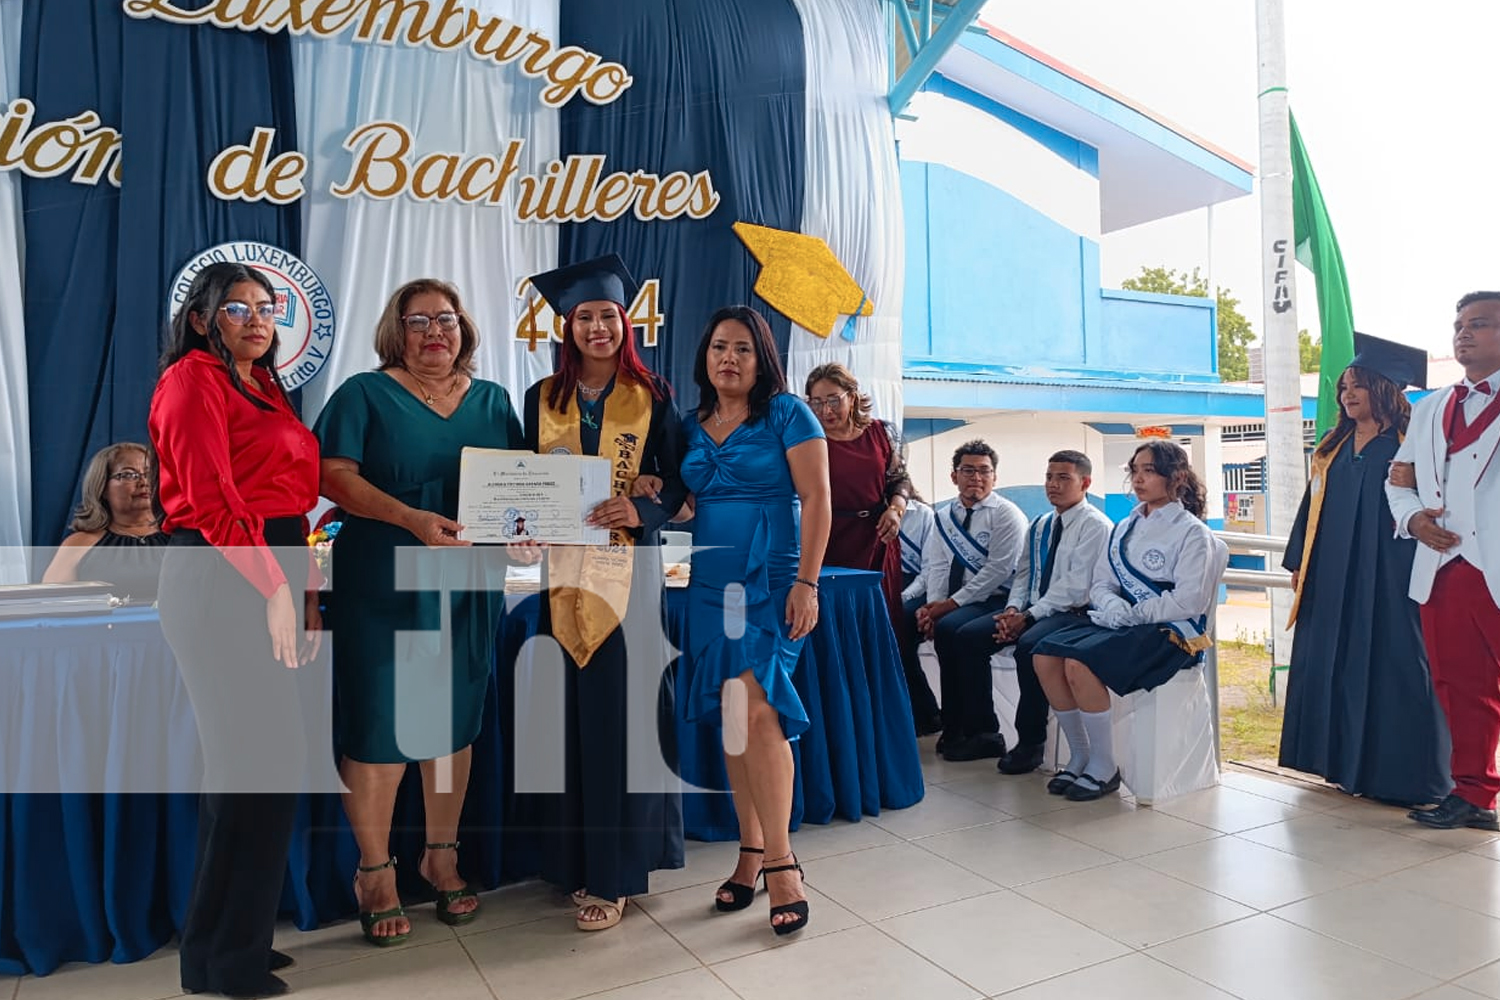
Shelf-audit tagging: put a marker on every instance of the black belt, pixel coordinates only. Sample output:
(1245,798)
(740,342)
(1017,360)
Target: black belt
(869,512)
(278,531)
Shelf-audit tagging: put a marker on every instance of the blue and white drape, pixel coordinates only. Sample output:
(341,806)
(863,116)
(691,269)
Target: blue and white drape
(782,101)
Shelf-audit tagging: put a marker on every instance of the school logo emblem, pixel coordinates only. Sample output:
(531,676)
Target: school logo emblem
(304,307)
(1154,559)
(983,538)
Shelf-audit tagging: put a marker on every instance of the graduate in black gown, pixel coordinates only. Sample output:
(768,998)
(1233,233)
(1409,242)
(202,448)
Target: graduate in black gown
(1360,706)
(604,835)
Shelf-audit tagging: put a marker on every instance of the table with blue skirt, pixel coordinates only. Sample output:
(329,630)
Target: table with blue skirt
(96,877)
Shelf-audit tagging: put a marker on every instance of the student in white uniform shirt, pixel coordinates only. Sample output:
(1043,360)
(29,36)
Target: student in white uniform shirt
(968,565)
(916,526)
(1051,591)
(1152,589)
(1444,491)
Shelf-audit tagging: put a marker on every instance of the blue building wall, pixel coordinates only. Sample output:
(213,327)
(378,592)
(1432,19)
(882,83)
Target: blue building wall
(985,293)
(1146,332)
(1023,291)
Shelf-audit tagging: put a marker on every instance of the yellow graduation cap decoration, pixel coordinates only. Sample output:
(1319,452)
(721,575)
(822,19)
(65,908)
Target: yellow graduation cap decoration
(802,279)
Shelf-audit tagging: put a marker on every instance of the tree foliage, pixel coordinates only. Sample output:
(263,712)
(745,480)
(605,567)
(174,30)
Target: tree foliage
(1311,351)
(1235,332)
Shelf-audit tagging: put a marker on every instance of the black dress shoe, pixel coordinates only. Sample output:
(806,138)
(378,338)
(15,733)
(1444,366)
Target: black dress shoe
(1022,759)
(1455,813)
(268,986)
(928,726)
(980,746)
(943,742)
(280,960)
(1088,788)
(1061,782)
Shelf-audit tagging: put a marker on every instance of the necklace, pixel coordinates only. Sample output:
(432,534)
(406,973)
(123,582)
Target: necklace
(589,408)
(427,396)
(589,390)
(720,420)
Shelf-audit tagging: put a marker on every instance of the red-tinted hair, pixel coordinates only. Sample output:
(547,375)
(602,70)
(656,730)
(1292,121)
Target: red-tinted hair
(565,380)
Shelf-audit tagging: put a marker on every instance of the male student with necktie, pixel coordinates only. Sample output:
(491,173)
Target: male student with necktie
(969,562)
(1444,491)
(1050,591)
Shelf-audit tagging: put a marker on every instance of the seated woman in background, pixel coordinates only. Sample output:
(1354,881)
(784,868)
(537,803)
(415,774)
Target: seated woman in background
(1151,592)
(116,535)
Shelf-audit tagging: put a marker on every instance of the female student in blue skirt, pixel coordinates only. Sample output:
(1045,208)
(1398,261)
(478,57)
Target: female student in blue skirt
(1151,593)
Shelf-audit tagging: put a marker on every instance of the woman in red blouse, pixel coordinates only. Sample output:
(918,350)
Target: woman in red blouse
(237,474)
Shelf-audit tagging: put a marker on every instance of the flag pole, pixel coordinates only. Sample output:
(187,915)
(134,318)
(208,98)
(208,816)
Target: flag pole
(1286,469)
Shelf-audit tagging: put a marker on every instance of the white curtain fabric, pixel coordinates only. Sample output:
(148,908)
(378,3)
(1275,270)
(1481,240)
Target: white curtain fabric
(15,446)
(852,196)
(364,248)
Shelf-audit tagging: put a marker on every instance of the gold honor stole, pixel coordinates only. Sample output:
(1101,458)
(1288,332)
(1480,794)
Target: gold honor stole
(589,585)
(1317,482)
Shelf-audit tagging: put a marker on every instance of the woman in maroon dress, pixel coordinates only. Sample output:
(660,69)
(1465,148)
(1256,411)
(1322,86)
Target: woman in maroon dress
(867,473)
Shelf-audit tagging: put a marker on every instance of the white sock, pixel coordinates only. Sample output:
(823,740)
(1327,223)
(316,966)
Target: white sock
(1101,764)
(1071,723)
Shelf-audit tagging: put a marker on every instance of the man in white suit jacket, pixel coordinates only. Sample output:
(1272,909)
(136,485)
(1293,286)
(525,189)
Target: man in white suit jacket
(1444,491)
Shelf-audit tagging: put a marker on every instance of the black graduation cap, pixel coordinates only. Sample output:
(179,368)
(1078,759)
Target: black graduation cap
(1401,364)
(603,278)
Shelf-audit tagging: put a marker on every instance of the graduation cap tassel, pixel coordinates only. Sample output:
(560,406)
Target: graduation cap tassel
(848,332)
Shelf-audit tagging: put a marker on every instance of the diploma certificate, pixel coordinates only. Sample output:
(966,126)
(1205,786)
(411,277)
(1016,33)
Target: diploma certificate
(512,496)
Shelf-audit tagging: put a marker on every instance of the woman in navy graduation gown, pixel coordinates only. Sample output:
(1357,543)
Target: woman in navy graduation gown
(1360,706)
(605,833)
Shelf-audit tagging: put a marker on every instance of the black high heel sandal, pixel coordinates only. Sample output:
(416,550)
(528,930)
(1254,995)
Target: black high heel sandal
(743,895)
(798,909)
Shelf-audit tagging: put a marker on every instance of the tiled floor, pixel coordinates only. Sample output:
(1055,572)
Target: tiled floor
(1260,888)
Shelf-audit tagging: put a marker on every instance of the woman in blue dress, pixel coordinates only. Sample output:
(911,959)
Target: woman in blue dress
(757,464)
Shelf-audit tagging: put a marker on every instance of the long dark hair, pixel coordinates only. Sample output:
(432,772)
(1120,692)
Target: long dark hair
(570,362)
(1388,405)
(770,379)
(209,291)
(1171,462)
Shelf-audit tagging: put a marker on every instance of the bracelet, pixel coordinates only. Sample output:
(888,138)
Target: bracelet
(806,583)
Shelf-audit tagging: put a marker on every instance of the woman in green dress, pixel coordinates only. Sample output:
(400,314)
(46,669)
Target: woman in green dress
(391,441)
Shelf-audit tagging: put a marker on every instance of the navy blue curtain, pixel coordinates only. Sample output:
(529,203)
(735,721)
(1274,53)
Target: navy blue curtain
(99,260)
(720,85)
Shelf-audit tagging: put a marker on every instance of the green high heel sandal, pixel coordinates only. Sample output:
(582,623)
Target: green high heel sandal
(368,920)
(447,897)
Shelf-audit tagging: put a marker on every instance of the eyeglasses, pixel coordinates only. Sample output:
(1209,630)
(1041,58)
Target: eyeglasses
(974,471)
(826,402)
(239,313)
(419,322)
(127,476)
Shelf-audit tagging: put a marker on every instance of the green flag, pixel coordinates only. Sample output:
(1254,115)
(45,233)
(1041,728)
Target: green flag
(1318,250)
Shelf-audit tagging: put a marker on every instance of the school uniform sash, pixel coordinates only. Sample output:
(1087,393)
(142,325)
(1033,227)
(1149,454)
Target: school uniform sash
(588,586)
(962,544)
(1041,548)
(1191,635)
(911,552)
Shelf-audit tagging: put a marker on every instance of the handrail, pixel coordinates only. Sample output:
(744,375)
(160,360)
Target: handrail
(1264,543)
